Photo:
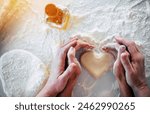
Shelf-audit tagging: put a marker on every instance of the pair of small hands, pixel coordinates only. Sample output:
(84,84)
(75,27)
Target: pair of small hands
(128,69)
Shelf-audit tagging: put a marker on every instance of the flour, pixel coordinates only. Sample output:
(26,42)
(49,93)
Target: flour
(22,73)
(101,19)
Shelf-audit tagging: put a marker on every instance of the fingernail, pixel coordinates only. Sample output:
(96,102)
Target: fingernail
(104,47)
(72,48)
(92,46)
(122,48)
(117,37)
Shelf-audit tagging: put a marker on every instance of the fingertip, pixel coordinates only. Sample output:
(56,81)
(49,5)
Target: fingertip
(104,48)
(117,37)
(71,55)
(125,58)
(69,45)
(91,46)
(71,51)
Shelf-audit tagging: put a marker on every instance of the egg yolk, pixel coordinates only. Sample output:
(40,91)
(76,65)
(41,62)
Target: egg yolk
(51,10)
(55,14)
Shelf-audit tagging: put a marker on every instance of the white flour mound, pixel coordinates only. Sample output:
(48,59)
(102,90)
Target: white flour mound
(22,73)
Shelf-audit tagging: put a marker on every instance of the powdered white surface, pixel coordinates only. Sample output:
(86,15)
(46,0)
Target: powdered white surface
(21,73)
(100,18)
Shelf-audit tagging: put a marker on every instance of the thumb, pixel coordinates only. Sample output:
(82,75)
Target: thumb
(73,59)
(68,72)
(125,60)
(121,50)
(63,79)
(118,68)
(110,48)
(71,55)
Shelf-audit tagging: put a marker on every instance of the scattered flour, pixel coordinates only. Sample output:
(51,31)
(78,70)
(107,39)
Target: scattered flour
(100,19)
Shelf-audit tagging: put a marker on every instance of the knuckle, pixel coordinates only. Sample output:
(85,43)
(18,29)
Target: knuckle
(76,41)
(124,55)
(132,43)
(142,57)
(139,57)
(62,80)
(73,66)
(131,73)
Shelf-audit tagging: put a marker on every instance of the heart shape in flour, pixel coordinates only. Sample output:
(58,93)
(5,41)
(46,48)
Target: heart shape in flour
(96,63)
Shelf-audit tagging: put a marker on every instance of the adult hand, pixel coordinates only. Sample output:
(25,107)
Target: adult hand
(133,63)
(65,70)
(118,70)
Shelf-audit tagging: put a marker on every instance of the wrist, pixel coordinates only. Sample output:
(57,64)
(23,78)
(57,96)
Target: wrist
(125,90)
(142,91)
